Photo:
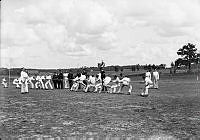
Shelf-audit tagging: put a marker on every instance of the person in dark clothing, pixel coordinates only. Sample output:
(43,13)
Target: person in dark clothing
(70,79)
(55,80)
(103,76)
(60,80)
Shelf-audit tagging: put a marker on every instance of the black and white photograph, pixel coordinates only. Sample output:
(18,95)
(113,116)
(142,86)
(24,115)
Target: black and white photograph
(100,70)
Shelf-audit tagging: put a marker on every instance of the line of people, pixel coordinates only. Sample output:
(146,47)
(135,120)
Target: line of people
(100,83)
(82,82)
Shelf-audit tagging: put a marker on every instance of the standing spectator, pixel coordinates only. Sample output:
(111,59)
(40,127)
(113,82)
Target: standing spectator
(60,80)
(55,80)
(103,76)
(66,85)
(102,65)
(24,81)
(70,79)
(155,78)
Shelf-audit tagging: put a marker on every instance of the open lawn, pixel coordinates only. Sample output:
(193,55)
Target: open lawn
(171,112)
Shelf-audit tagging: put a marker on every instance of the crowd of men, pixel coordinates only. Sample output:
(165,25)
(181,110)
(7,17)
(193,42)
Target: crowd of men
(82,81)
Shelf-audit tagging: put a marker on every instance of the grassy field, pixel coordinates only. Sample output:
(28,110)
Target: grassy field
(171,112)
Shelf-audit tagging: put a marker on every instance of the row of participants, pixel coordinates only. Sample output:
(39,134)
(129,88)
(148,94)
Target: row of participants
(83,82)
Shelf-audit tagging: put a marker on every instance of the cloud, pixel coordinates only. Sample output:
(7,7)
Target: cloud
(109,29)
(59,29)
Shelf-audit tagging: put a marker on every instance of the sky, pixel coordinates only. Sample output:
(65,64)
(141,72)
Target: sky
(75,33)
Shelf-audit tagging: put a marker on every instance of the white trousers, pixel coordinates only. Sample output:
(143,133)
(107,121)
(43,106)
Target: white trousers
(113,88)
(89,86)
(98,86)
(31,83)
(146,90)
(37,85)
(24,87)
(74,86)
(42,84)
(48,83)
(155,83)
(66,83)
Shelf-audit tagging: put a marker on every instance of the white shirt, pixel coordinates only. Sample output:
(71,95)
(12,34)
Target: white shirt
(156,75)
(92,80)
(24,76)
(65,75)
(48,77)
(148,81)
(38,78)
(148,74)
(16,81)
(107,80)
(42,77)
(125,81)
(83,77)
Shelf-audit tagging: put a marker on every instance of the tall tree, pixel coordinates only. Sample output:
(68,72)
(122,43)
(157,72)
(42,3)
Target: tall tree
(188,54)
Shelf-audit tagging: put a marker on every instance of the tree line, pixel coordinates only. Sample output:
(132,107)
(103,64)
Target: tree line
(188,55)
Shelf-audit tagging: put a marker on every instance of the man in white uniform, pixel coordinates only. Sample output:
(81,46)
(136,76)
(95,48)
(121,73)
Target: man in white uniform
(115,84)
(48,82)
(24,81)
(155,79)
(91,83)
(37,83)
(125,82)
(4,83)
(81,82)
(16,83)
(148,84)
(41,80)
(66,85)
(75,83)
(148,74)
